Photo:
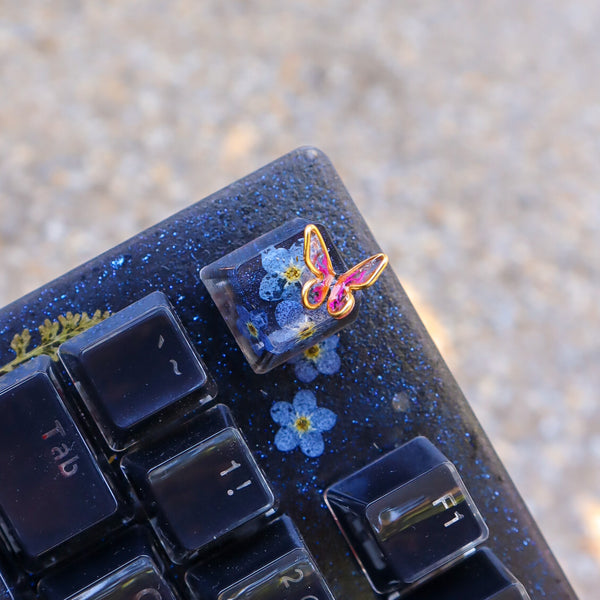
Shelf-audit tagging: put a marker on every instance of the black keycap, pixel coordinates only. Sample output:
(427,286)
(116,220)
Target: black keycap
(422,522)
(12,584)
(480,576)
(51,491)
(293,577)
(199,490)
(133,365)
(406,515)
(127,567)
(273,564)
(137,580)
(5,592)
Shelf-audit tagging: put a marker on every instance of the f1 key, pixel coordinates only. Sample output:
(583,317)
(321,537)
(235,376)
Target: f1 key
(406,515)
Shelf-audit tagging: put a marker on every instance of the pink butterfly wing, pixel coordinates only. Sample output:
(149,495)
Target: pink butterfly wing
(341,300)
(318,261)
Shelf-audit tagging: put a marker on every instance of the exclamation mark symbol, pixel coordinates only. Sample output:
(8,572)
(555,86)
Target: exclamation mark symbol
(240,487)
(233,467)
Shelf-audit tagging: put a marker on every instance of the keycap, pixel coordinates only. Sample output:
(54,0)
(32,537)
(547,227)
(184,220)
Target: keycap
(272,565)
(52,491)
(481,576)
(406,515)
(125,568)
(12,586)
(199,485)
(133,366)
(294,575)
(5,591)
(258,291)
(137,580)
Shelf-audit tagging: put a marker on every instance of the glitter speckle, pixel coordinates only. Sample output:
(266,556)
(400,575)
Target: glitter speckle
(117,263)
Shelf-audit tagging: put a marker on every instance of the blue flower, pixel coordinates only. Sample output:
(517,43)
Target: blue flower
(251,325)
(302,424)
(285,269)
(319,358)
(296,323)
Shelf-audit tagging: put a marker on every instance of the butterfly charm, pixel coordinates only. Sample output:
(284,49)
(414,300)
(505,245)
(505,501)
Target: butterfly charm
(341,298)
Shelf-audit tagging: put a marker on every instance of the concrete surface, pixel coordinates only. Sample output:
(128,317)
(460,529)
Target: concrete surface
(468,133)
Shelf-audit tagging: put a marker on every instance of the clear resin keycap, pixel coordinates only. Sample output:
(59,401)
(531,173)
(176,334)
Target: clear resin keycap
(273,564)
(5,591)
(200,484)
(137,580)
(293,576)
(136,369)
(406,515)
(52,492)
(258,291)
(481,576)
(125,568)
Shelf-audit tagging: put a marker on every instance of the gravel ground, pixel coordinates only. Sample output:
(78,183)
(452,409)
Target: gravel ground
(467,132)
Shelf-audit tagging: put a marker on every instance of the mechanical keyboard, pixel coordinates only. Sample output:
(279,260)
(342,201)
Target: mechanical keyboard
(182,418)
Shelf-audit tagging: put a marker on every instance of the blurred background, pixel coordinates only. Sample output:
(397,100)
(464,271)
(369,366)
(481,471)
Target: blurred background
(467,132)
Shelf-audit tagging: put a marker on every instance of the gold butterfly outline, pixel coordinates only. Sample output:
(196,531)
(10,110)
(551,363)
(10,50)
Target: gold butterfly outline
(341,297)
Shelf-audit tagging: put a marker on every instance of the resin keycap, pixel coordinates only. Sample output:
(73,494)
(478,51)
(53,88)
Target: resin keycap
(258,291)
(294,575)
(200,485)
(274,564)
(51,488)
(481,576)
(5,593)
(406,515)
(134,365)
(138,580)
(126,568)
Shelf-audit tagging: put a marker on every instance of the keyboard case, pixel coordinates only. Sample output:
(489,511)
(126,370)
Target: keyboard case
(391,386)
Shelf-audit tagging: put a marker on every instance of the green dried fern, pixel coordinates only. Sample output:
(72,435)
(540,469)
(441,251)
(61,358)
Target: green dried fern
(52,335)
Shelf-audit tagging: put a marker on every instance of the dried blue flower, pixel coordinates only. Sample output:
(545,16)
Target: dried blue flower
(296,324)
(285,269)
(302,424)
(252,325)
(319,358)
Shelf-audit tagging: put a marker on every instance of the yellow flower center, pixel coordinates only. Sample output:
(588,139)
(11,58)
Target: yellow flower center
(313,352)
(302,424)
(292,273)
(252,329)
(306,330)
